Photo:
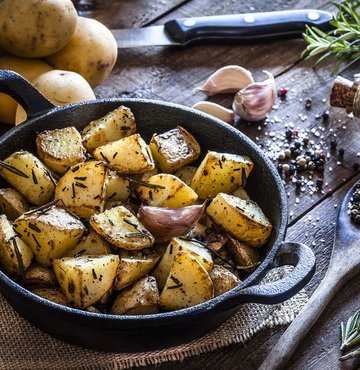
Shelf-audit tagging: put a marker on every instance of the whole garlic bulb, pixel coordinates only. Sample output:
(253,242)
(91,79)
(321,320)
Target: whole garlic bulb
(255,101)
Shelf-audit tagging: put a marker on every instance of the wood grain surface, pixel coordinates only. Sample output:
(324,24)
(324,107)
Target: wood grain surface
(171,74)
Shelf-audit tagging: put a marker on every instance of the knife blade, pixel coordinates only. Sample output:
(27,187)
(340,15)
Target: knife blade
(240,28)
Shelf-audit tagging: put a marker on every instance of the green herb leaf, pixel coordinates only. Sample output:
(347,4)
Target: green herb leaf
(350,332)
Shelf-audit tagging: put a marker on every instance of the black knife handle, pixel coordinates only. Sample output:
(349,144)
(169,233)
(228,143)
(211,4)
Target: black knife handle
(250,26)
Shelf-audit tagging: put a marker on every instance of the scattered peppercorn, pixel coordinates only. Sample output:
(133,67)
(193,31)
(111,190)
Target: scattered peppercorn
(288,134)
(333,144)
(298,184)
(319,183)
(305,141)
(356,166)
(326,115)
(280,168)
(308,103)
(282,93)
(297,144)
(341,152)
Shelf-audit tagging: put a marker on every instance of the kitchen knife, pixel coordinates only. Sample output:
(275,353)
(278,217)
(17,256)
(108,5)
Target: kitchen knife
(220,28)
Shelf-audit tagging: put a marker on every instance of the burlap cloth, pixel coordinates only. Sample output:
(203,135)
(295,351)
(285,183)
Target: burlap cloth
(24,347)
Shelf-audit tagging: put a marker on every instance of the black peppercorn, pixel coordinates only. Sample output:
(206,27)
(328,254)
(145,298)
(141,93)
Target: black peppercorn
(356,166)
(325,115)
(288,134)
(320,168)
(341,152)
(308,103)
(297,144)
(296,152)
(292,169)
(280,168)
(298,184)
(319,183)
(333,144)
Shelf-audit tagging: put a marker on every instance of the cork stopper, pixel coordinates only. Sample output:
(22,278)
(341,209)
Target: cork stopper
(343,93)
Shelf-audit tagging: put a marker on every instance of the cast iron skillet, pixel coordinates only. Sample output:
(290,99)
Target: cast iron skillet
(147,332)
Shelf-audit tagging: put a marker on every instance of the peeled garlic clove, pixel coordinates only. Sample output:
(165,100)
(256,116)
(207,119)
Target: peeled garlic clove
(165,223)
(215,110)
(228,79)
(255,101)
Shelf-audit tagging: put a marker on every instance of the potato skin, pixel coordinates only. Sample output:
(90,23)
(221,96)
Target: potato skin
(223,280)
(36,28)
(28,68)
(91,52)
(12,203)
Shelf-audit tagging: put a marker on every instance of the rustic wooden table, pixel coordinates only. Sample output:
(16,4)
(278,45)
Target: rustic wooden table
(170,74)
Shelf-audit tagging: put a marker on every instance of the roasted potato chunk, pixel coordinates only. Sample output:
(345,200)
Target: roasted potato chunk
(12,203)
(223,280)
(220,173)
(122,229)
(242,219)
(90,244)
(117,188)
(113,126)
(241,253)
(169,191)
(126,156)
(84,280)
(186,174)
(40,276)
(51,294)
(188,284)
(82,189)
(15,255)
(50,233)
(174,149)
(29,176)
(141,298)
(60,149)
(241,193)
(196,250)
(134,266)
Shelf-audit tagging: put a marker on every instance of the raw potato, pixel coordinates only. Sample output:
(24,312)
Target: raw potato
(60,149)
(28,68)
(186,174)
(241,253)
(188,284)
(118,188)
(242,219)
(60,88)
(220,173)
(127,156)
(122,229)
(113,126)
(51,294)
(223,280)
(40,276)
(174,195)
(50,234)
(35,183)
(174,149)
(15,255)
(90,244)
(134,266)
(202,255)
(138,299)
(83,187)
(12,203)
(34,28)
(84,280)
(91,52)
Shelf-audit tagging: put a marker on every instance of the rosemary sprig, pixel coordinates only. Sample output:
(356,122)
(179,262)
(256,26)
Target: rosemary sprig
(350,332)
(351,355)
(143,183)
(343,41)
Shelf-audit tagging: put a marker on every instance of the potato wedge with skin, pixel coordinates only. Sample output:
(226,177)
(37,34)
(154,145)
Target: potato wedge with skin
(186,174)
(33,179)
(51,294)
(92,244)
(242,219)
(134,266)
(223,280)
(50,234)
(188,284)
(60,149)
(140,298)
(84,280)
(196,250)
(241,253)
(122,229)
(40,276)
(174,193)
(127,156)
(83,188)
(174,149)
(15,255)
(115,125)
(220,173)
(117,187)
(12,203)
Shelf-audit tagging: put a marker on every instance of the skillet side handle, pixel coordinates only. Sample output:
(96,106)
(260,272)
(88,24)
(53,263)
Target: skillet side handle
(20,89)
(296,254)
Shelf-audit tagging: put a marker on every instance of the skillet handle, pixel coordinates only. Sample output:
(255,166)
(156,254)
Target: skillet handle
(20,89)
(296,254)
